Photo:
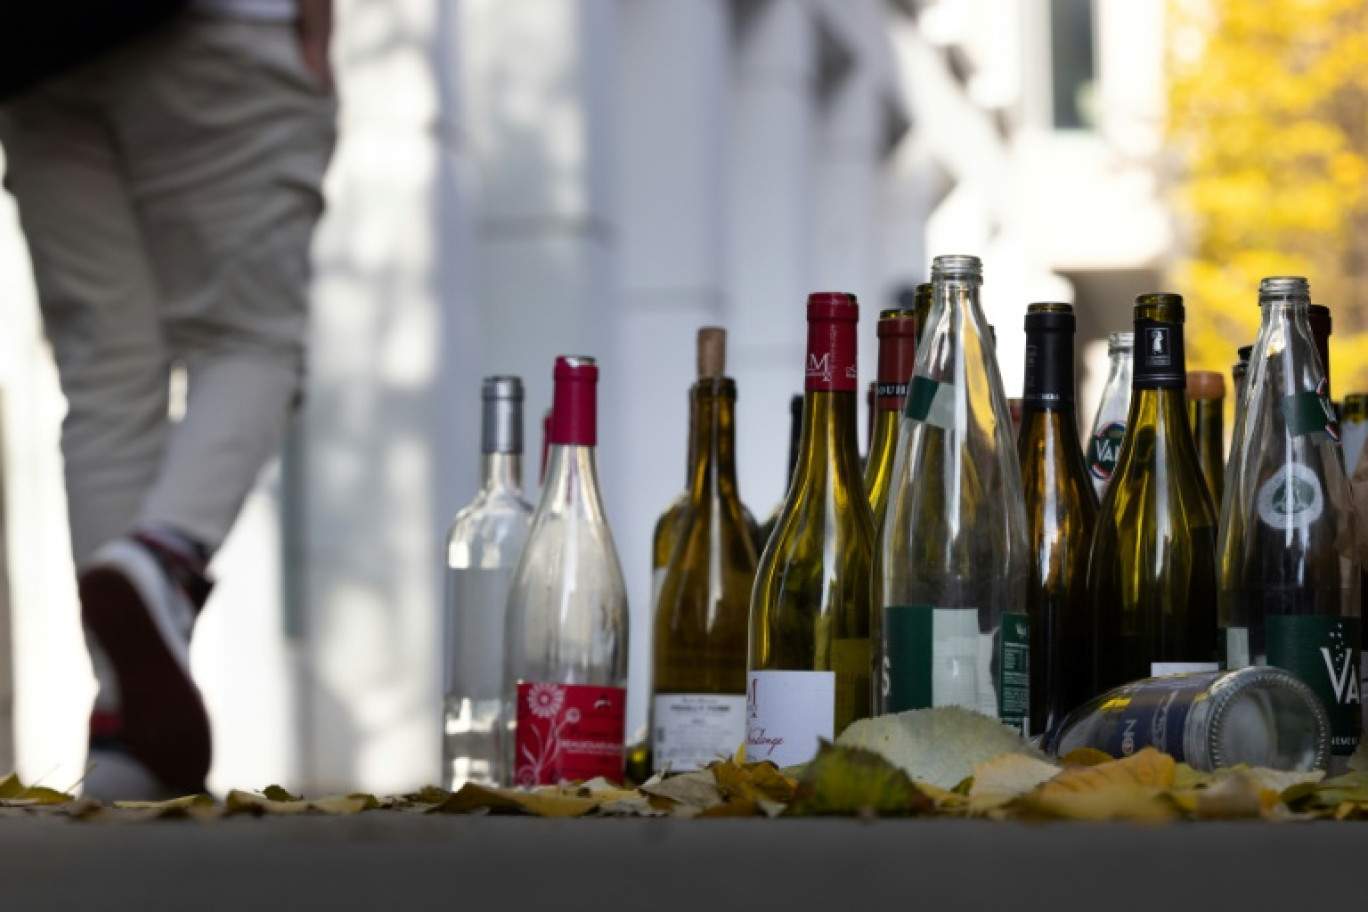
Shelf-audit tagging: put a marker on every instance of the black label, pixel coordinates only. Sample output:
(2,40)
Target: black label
(1049,369)
(1159,358)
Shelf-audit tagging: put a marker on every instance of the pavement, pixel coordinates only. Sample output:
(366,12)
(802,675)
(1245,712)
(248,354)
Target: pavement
(381,861)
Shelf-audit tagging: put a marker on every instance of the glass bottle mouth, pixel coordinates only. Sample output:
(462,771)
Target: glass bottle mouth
(1284,290)
(1120,342)
(956,268)
(1266,716)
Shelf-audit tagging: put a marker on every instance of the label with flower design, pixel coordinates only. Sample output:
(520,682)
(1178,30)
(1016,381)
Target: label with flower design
(568,732)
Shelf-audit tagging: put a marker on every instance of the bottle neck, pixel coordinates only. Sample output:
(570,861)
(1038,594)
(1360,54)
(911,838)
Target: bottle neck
(830,436)
(1049,384)
(501,473)
(712,443)
(1160,361)
(572,485)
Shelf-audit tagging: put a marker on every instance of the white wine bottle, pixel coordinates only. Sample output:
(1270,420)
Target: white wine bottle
(1152,568)
(1289,565)
(1109,424)
(698,691)
(565,670)
(950,623)
(809,613)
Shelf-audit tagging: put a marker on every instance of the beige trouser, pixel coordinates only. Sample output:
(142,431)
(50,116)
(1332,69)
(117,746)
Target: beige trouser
(168,193)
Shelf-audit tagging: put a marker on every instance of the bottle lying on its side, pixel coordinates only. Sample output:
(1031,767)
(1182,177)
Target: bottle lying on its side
(1260,716)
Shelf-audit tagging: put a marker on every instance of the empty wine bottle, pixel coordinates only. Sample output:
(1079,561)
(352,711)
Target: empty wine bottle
(565,667)
(1109,424)
(1289,568)
(1354,429)
(1206,411)
(483,546)
(809,618)
(698,690)
(663,540)
(950,590)
(897,356)
(1061,513)
(1152,571)
(795,435)
(1257,716)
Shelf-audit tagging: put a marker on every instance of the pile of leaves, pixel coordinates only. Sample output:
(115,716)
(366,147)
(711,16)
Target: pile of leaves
(930,763)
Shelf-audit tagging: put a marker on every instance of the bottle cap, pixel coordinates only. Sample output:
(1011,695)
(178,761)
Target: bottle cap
(712,352)
(501,422)
(1205,385)
(897,323)
(831,365)
(833,305)
(574,418)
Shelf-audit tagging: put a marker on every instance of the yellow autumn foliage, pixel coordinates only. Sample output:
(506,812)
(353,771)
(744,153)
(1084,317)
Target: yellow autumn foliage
(1268,120)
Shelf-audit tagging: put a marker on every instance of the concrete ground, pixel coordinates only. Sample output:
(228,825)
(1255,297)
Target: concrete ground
(391,861)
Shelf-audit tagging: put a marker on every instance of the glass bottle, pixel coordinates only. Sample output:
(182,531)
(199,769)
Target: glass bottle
(1257,716)
(566,642)
(1109,424)
(1289,565)
(702,614)
(795,435)
(809,617)
(482,548)
(897,356)
(1239,373)
(1206,412)
(1354,429)
(711,339)
(1061,513)
(950,623)
(1152,570)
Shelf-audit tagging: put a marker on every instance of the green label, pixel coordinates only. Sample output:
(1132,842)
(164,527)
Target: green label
(906,657)
(940,657)
(1014,670)
(931,401)
(1310,412)
(1323,652)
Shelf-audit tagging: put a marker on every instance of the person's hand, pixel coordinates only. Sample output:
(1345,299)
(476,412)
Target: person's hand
(315,33)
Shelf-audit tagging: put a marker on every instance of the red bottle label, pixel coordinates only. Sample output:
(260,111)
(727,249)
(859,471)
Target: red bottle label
(568,732)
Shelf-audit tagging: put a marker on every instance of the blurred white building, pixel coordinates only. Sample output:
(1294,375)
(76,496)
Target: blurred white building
(522,178)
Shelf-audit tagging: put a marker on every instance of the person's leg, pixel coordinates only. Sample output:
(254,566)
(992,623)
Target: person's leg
(228,140)
(148,727)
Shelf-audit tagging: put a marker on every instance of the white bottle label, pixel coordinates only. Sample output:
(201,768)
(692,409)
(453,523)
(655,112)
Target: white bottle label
(786,712)
(1159,669)
(692,730)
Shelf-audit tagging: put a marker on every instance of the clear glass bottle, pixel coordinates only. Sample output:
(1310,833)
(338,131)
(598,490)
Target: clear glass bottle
(1152,569)
(809,616)
(566,642)
(1289,563)
(698,689)
(1206,412)
(1061,513)
(482,548)
(1109,424)
(1257,716)
(950,624)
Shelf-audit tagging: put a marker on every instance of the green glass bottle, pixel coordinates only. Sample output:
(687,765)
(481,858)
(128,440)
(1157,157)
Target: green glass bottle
(1152,569)
(809,615)
(1289,565)
(897,356)
(795,435)
(1206,412)
(702,614)
(1061,514)
(950,623)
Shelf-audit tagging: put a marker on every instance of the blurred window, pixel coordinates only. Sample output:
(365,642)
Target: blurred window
(1073,62)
